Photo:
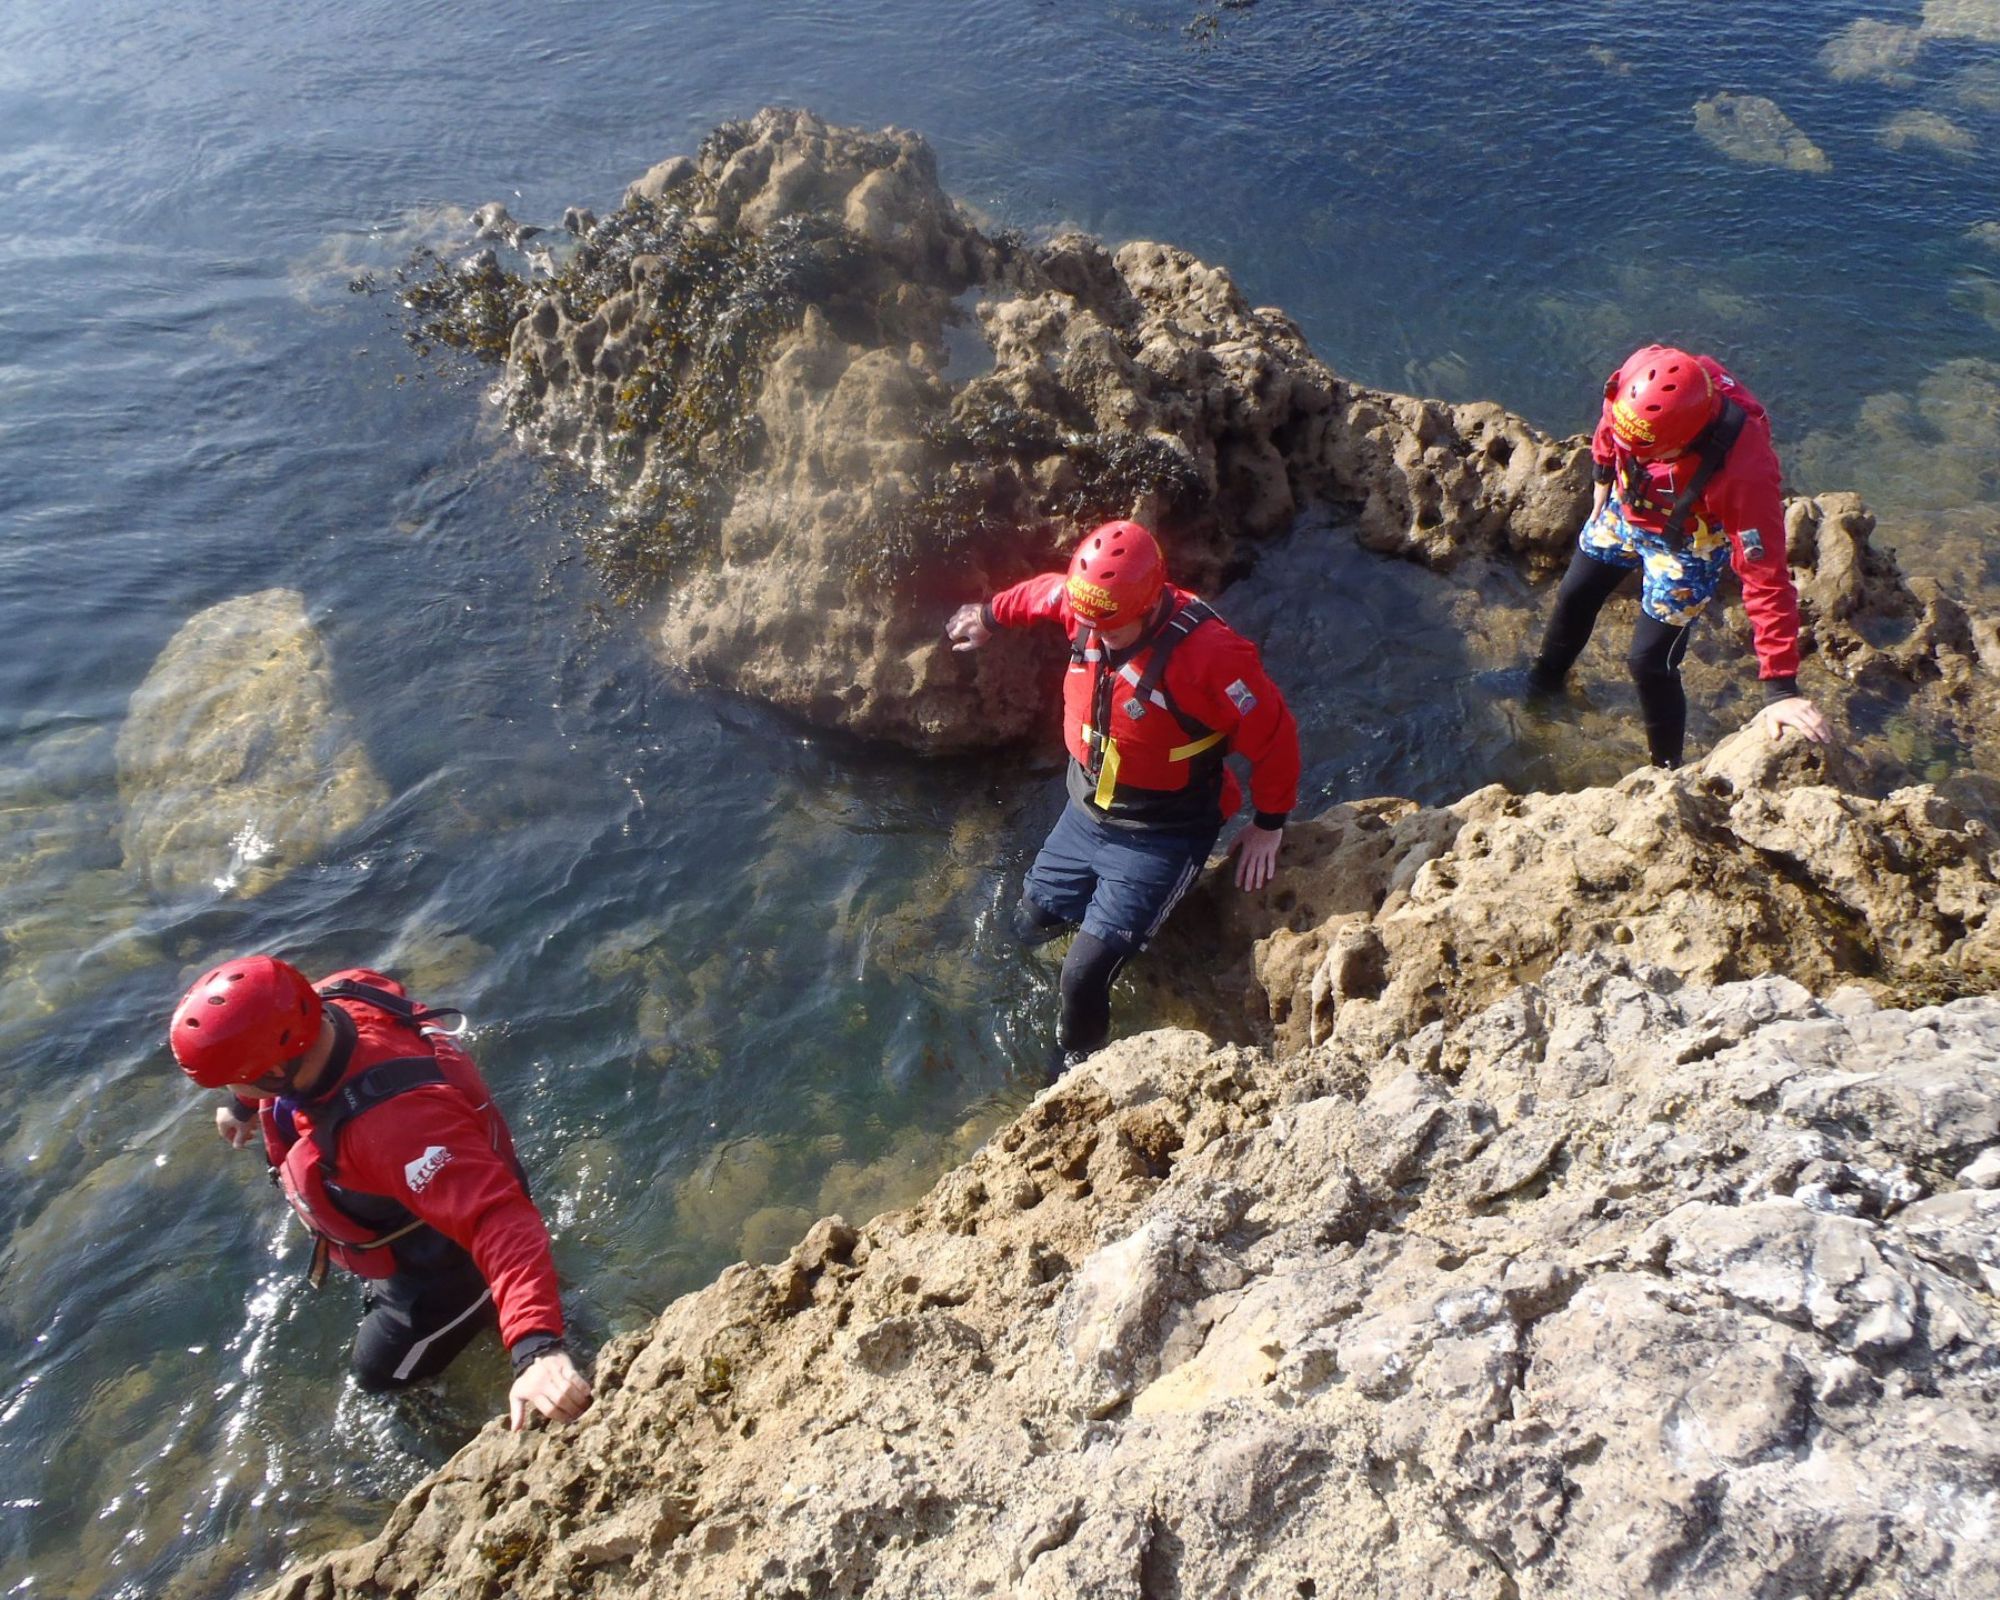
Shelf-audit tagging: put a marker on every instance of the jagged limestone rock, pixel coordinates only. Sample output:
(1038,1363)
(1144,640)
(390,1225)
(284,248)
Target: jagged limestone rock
(236,762)
(1711,1320)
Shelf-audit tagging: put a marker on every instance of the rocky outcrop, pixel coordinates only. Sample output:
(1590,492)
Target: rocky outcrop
(829,407)
(236,761)
(1392,918)
(1654,1274)
(1621,1287)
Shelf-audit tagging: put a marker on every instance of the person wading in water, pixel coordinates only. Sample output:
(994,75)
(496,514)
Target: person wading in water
(387,1143)
(1159,690)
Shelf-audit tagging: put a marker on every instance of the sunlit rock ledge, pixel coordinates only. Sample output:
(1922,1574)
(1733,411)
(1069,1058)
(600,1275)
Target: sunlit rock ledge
(1555,1242)
(828,406)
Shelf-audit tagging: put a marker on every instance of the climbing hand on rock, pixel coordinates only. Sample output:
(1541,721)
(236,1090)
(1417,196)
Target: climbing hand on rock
(1256,852)
(1796,712)
(967,628)
(551,1385)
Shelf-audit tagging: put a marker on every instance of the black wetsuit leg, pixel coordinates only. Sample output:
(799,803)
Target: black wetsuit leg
(416,1324)
(1655,664)
(1087,971)
(1581,595)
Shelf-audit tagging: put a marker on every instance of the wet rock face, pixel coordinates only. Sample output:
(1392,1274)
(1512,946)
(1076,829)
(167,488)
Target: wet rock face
(764,354)
(236,762)
(1446,1320)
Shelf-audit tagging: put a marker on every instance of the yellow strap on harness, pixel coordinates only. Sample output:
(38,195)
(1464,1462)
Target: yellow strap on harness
(1107,776)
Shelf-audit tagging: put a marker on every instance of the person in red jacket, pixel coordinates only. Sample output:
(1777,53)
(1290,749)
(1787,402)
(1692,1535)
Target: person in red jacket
(1159,690)
(1688,485)
(387,1143)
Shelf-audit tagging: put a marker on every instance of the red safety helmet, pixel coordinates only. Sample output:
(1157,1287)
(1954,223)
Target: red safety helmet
(1116,575)
(1660,399)
(245,1018)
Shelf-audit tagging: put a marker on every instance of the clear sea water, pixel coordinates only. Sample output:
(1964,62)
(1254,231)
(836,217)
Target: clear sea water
(727,974)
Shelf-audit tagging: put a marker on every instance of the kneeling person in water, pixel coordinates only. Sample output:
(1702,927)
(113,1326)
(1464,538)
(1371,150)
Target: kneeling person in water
(1687,486)
(1159,691)
(387,1143)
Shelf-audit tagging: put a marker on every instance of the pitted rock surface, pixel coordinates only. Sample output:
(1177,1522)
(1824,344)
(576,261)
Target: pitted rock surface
(1713,1317)
(1390,916)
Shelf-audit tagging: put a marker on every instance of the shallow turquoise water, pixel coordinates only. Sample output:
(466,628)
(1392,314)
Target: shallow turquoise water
(720,966)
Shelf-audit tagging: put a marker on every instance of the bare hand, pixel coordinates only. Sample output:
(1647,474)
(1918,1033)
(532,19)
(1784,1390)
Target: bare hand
(967,629)
(236,1131)
(1797,712)
(1256,852)
(552,1386)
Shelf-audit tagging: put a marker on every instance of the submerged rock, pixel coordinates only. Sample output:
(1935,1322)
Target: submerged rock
(1751,129)
(236,763)
(1867,49)
(1715,1323)
(1930,128)
(1963,19)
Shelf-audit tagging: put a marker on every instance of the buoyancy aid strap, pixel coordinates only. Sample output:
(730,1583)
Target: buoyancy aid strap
(364,1091)
(1146,693)
(1187,752)
(398,1006)
(1182,623)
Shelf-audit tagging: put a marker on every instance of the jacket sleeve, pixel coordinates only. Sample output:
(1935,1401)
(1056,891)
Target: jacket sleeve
(437,1160)
(1603,442)
(1747,499)
(1043,598)
(1228,689)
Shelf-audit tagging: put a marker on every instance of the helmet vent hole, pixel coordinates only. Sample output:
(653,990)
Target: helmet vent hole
(285,1037)
(216,1000)
(234,977)
(192,1022)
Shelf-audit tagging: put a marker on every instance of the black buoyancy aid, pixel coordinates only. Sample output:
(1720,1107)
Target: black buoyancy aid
(1111,740)
(1712,446)
(348,1226)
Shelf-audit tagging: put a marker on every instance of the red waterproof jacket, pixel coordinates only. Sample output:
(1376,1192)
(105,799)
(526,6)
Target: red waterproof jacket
(1158,763)
(440,1151)
(1744,498)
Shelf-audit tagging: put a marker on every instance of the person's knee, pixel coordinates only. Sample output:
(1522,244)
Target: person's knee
(1650,661)
(1034,924)
(375,1370)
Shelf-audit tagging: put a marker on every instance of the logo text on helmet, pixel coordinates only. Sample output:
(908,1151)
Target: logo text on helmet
(1091,601)
(1629,425)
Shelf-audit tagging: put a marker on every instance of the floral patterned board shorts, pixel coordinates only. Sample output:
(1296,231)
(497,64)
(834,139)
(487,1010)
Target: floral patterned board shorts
(1678,583)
